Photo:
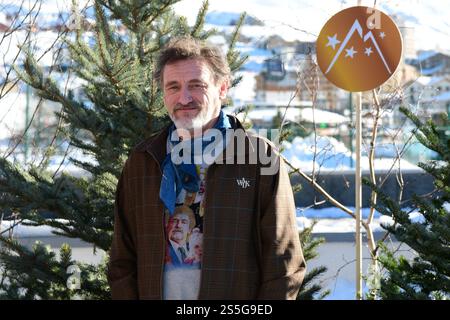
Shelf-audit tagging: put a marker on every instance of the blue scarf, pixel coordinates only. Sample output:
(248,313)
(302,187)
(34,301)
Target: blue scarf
(184,176)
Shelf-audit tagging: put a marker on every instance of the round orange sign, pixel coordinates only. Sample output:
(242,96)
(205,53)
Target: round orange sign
(359,48)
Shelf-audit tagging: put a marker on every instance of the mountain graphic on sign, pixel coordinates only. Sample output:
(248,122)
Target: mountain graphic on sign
(369,35)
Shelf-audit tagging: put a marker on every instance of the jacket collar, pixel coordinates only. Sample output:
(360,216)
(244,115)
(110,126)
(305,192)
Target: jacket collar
(156,145)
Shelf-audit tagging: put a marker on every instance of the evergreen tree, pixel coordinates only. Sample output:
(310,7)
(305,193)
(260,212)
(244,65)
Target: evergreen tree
(124,106)
(311,290)
(427,276)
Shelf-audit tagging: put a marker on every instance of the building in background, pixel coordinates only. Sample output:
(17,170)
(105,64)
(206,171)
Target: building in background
(432,63)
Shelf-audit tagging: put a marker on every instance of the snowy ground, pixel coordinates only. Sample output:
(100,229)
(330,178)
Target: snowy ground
(333,220)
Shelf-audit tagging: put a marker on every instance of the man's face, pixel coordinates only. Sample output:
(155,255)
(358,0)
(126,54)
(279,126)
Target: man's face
(191,95)
(178,228)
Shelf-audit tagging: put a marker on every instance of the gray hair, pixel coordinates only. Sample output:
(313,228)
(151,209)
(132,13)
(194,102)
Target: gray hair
(184,48)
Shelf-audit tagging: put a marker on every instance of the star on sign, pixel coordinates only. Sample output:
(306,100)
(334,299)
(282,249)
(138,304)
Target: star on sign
(350,52)
(332,41)
(368,51)
(382,35)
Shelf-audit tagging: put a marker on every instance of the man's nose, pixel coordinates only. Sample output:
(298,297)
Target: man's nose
(185,96)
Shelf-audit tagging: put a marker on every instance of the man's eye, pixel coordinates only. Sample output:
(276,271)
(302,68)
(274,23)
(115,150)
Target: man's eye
(174,88)
(198,86)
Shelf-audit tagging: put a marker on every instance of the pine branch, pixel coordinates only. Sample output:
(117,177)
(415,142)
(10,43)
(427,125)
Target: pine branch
(200,21)
(233,57)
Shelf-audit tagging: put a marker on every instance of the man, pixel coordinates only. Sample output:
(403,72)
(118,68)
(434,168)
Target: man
(240,195)
(179,228)
(179,262)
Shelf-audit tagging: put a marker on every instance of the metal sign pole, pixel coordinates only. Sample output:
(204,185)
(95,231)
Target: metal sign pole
(358,196)
(358,199)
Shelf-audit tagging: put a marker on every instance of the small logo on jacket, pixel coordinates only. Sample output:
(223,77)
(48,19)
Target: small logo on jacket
(243,183)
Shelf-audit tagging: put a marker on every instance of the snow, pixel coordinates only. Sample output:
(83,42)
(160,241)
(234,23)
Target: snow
(40,42)
(218,40)
(430,81)
(447,206)
(331,154)
(23,231)
(68,167)
(437,79)
(424,80)
(12,113)
(334,220)
(341,225)
(294,115)
(57,162)
(331,213)
(244,92)
(321,116)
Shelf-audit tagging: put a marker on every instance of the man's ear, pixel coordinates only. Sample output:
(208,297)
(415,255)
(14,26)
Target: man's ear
(223,89)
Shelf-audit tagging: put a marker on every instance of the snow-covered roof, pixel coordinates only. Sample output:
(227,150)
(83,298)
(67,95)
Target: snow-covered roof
(217,39)
(294,115)
(322,116)
(424,55)
(3,18)
(253,66)
(423,80)
(438,79)
(430,71)
(252,50)
(431,80)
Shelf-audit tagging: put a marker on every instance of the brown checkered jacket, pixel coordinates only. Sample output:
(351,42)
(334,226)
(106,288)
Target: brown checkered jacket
(251,243)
